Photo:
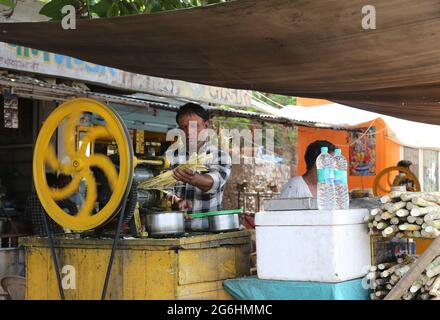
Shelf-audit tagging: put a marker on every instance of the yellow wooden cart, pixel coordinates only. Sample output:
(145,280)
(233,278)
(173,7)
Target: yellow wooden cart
(181,268)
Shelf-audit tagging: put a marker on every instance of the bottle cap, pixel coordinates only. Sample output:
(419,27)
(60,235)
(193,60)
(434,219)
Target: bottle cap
(324,149)
(338,151)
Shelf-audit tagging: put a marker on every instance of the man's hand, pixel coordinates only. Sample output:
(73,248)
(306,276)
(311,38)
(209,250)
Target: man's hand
(184,205)
(184,175)
(202,181)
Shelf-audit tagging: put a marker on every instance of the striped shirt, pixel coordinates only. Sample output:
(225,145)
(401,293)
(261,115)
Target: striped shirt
(219,168)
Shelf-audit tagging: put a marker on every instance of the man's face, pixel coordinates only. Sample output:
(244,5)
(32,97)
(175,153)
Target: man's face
(196,123)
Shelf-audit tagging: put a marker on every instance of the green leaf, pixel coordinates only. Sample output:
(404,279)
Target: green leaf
(114,10)
(101,8)
(7,3)
(53,8)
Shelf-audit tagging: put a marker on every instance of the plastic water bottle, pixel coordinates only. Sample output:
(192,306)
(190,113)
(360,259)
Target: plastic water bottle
(325,192)
(340,181)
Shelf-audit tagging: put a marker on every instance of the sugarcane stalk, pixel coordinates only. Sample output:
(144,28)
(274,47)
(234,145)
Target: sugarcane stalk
(432,231)
(376,211)
(408,296)
(434,223)
(435,288)
(409,227)
(427,234)
(432,216)
(395,220)
(433,271)
(419,201)
(385,199)
(411,219)
(387,215)
(419,221)
(382,225)
(393,207)
(378,218)
(390,230)
(417,234)
(402,270)
(402,212)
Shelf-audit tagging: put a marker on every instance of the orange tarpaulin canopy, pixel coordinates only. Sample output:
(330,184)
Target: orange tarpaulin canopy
(309,48)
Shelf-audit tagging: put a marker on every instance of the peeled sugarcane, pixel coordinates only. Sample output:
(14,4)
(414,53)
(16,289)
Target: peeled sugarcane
(376,211)
(417,212)
(382,225)
(419,201)
(402,213)
(409,227)
(390,230)
(432,197)
(433,223)
(435,290)
(411,219)
(432,216)
(395,220)
(419,221)
(166,180)
(387,215)
(393,207)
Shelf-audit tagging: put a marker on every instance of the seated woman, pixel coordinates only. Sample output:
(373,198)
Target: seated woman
(305,186)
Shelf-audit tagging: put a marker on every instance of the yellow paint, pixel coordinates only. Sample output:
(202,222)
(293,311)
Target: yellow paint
(80,163)
(183,268)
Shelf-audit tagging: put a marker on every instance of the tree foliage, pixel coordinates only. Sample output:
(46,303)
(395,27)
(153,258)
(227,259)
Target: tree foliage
(113,8)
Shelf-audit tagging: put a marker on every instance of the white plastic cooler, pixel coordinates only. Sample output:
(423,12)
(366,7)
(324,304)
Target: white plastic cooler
(312,245)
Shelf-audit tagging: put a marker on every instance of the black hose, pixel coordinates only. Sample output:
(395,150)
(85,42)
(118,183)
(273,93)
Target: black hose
(54,257)
(115,243)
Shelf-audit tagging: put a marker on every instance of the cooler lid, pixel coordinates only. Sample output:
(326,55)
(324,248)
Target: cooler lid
(311,217)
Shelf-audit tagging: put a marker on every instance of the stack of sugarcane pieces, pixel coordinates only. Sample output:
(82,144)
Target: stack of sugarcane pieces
(407,214)
(385,276)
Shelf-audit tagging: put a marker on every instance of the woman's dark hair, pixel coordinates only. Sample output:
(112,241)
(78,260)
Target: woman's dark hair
(404,163)
(314,149)
(192,108)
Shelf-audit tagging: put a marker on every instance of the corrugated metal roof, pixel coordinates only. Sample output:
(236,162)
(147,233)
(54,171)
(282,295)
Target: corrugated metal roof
(31,87)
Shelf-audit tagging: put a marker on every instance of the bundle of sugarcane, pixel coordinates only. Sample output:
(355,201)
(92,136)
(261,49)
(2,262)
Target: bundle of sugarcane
(385,276)
(407,214)
(166,181)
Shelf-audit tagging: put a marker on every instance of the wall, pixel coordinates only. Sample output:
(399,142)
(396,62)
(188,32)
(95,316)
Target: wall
(387,151)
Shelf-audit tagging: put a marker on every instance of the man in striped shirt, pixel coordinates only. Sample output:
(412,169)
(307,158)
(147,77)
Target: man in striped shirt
(196,192)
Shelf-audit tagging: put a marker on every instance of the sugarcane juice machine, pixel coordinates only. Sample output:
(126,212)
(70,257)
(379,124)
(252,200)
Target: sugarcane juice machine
(82,124)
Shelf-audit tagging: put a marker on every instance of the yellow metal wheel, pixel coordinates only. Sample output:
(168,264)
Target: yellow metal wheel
(383,182)
(78,163)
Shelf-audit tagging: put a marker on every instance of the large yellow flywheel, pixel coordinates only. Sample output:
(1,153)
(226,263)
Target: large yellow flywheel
(384,180)
(77,162)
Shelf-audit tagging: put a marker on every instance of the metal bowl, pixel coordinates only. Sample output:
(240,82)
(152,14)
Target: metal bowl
(165,223)
(197,224)
(224,222)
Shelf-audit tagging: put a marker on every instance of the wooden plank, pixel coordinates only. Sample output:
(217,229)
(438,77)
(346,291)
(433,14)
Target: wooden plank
(161,275)
(36,276)
(134,274)
(416,270)
(213,264)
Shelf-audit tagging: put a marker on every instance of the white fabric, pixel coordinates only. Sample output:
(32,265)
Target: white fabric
(403,132)
(296,188)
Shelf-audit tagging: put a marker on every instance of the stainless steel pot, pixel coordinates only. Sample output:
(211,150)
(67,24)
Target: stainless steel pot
(165,223)
(197,224)
(224,222)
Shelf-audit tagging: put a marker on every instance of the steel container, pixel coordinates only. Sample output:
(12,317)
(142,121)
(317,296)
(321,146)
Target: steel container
(224,222)
(165,223)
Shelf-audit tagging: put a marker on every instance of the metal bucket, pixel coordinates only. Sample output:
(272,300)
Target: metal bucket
(224,222)
(165,223)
